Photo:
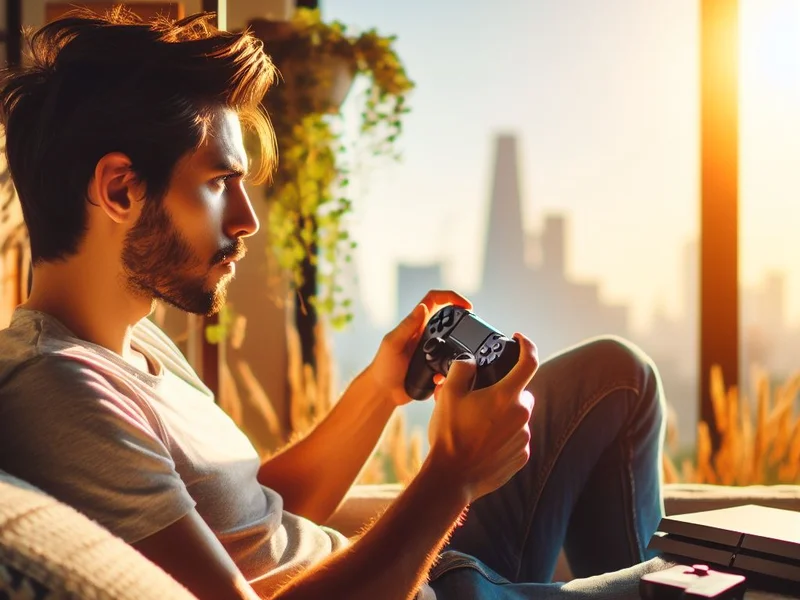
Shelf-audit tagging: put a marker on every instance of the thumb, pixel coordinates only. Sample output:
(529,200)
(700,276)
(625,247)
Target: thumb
(461,377)
(410,325)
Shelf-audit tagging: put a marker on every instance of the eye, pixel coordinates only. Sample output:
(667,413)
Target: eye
(222,180)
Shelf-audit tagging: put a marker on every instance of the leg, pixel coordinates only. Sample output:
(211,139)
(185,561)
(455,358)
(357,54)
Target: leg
(476,584)
(593,483)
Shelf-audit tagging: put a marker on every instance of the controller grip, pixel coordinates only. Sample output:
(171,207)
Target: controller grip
(419,383)
(491,374)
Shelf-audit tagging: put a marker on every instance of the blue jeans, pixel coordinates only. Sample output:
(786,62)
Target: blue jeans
(591,486)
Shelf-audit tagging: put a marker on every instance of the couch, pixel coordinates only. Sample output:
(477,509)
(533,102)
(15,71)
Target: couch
(48,550)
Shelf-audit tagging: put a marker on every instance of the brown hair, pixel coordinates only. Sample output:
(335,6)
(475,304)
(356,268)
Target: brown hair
(113,83)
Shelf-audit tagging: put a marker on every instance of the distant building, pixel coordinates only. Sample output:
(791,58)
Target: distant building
(536,298)
(517,293)
(354,346)
(413,282)
(524,286)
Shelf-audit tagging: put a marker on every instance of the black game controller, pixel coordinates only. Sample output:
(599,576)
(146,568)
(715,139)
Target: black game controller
(453,333)
(696,581)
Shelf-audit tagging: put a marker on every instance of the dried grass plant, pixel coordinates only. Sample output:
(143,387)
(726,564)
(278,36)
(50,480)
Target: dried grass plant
(398,456)
(310,391)
(759,442)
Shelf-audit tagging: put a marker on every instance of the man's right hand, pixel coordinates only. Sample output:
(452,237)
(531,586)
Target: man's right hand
(480,439)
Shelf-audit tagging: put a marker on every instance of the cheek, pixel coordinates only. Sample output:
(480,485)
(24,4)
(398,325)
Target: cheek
(201,207)
(197,217)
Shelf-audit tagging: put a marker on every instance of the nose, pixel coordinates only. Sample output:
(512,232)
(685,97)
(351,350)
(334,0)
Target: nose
(241,219)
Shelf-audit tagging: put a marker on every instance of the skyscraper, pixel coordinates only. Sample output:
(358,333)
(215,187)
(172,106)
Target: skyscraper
(535,298)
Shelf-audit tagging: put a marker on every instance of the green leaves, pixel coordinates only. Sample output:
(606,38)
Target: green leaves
(307,201)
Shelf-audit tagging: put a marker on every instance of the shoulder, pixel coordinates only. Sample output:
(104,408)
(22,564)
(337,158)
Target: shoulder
(54,398)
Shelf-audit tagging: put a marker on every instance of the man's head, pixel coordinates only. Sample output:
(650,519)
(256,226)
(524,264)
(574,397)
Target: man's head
(130,132)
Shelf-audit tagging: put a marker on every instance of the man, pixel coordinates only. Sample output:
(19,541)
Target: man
(124,141)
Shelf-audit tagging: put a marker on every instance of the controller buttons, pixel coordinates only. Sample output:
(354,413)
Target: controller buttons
(484,350)
(482,361)
(447,318)
(432,330)
(496,347)
(492,358)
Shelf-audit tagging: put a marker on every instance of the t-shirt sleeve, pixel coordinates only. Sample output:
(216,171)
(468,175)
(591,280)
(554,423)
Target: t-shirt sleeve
(67,430)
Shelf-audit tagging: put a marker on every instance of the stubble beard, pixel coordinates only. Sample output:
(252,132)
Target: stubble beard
(159,263)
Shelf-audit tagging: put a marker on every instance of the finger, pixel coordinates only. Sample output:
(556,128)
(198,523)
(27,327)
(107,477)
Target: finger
(527,400)
(513,417)
(461,376)
(438,379)
(436,299)
(524,369)
(410,327)
(518,442)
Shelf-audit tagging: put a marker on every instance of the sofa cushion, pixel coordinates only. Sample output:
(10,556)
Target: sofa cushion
(48,547)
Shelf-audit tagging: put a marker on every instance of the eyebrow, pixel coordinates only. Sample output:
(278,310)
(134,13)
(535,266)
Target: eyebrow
(231,166)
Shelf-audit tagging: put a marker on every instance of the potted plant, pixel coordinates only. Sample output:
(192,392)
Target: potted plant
(318,62)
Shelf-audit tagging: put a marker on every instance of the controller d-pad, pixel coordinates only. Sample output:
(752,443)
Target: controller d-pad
(496,347)
(491,358)
(448,316)
(484,350)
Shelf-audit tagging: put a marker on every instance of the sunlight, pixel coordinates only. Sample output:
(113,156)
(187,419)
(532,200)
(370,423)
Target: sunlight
(771,45)
(770,142)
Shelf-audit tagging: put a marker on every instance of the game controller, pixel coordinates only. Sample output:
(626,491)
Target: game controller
(454,333)
(696,581)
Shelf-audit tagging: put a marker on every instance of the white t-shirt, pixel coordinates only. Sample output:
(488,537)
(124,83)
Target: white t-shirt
(136,451)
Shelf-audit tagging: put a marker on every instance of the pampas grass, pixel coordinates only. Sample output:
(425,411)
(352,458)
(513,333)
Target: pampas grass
(759,442)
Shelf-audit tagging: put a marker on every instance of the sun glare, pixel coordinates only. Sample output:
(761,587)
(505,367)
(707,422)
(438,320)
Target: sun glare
(770,141)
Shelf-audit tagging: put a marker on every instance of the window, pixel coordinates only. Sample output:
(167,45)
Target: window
(550,172)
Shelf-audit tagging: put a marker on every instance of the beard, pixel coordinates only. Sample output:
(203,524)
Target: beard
(159,263)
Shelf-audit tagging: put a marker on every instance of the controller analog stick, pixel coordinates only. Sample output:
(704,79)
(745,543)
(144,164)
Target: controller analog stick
(433,348)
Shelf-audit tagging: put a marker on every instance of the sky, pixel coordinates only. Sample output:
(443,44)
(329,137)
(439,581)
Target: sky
(603,96)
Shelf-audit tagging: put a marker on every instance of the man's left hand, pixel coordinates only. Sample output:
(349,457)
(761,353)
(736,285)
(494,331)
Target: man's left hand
(388,369)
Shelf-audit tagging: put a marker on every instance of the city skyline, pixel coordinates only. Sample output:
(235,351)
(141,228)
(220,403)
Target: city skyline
(605,107)
(532,292)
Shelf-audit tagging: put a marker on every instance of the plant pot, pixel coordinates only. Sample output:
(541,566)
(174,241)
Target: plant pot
(318,87)
(332,89)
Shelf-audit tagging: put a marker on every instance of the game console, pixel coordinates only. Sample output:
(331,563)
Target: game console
(759,542)
(453,333)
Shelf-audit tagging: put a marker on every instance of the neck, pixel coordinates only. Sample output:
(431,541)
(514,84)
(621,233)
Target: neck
(90,299)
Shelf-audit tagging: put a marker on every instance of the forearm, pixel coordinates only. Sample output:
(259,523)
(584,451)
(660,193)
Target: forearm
(392,559)
(314,474)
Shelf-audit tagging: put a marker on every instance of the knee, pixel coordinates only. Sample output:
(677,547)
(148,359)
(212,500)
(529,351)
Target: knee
(621,360)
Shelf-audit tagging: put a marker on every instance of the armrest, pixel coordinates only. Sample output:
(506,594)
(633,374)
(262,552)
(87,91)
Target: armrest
(682,498)
(365,502)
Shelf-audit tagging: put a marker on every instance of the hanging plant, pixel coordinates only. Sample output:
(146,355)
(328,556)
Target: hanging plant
(318,62)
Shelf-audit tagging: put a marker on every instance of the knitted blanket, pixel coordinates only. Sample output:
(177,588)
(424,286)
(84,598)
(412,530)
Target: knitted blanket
(49,551)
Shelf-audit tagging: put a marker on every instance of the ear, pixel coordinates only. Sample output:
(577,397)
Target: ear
(115,188)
